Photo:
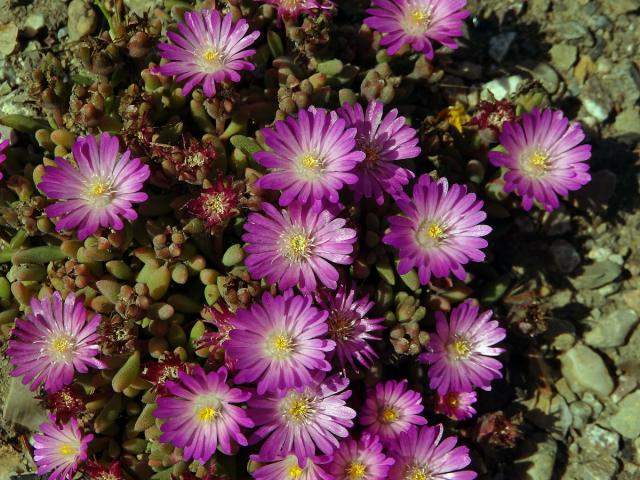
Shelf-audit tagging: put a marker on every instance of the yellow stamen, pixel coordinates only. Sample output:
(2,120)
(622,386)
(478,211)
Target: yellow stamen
(418,474)
(419,16)
(61,345)
(66,449)
(296,246)
(460,349)
(388,415)
(206,414)
(435,232)
(452,400)
(281,346)
(295,472)
(356,470)
(216,204)
(539,160)
(195,160)
(211,55)
(310,161)
(299,409)
(98,188)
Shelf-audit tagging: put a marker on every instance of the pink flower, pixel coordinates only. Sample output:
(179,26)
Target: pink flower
(363,459)
(456,405)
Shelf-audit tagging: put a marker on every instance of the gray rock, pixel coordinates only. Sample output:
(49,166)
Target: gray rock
(548,77)
(628,122)
(611,330)
(564,255)
(585,371)
(501,87)
(21,407)
(620,7)
(597,439)
(597,275)
(623,83)
(627,420)
(140,7)
(500,44)
(8,38)
(32,24)
(571,30)
(596,99)
(581,413)
(563,56)
(83,19)
(537,465)
(630,354)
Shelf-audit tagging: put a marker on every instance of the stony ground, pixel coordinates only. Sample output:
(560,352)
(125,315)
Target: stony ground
(581,418)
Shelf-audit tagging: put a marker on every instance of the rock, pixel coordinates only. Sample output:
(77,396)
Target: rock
(581,413)
(571,30)
(630,354)
(585,371)
(539,7)
(627,420)
(611,330)
(597,439)
(501,87)
(32,24)
(628,122)
(623,83)
(564,255)
(548,77)
(539,459)
(620,7)
(8,38)
(500,44)
(83,19)
(632,299)
(596,99)
(563,56)
(140,7)
(561,334)
(21,407)
(597,275)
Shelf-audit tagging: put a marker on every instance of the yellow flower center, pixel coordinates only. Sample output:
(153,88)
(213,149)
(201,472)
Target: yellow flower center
(419,16)
(99,192)
(460,349)
(299,409)
(216,204)
(356,470)
(452,400)
(388,415)
(539,160)
(211,56)
(208,413)
(418,21)
(310,161)
(67,449)
(295,472)
(195,160)
(372,155)
(296,246)
(418,473)
(281,346)
(435,232)
(61,345)
(99,188)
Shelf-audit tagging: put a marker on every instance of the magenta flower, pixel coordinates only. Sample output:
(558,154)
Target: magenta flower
(460,352)
(3,146)
(54,342)
(312,156)
(456,405)
(215,205)
(384,140)
(362,460)
(349,326)
(291,9)
(100,192)
(294,246)
(201,415)
(391,409)
(440,230)
(299,420)
(543,157)
(208,50)
(290,468)
(417,23)
(422,454)
(59,449)
(278,343)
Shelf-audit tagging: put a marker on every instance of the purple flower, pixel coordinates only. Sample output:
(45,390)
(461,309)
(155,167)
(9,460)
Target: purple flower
(362,460)
(440,230)
(460,351)
(100,192)
(291,9)
(208,50)
(294,246)
(384,142)
(54,342)
(312,156)
(201,415)
(421,454)
(456,405)
(59,449)
(299,420)
(278,343)
(391,409)
(417,22)
(349,326)
(290,468)
(543,157)
(3,146)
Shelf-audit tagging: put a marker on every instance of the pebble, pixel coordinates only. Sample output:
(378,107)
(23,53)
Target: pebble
(83,19)
(627,420)
(585,371)
(597,275)
(548,77)
(21,407)
(564,255)
(628,122)
(581,413)
(596,99)
(539,464)
(563,56)
(571,30)
(611,330)
(8,38)
(501,87)
(630,353)
(32,24)
(597,439)
(499,45)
